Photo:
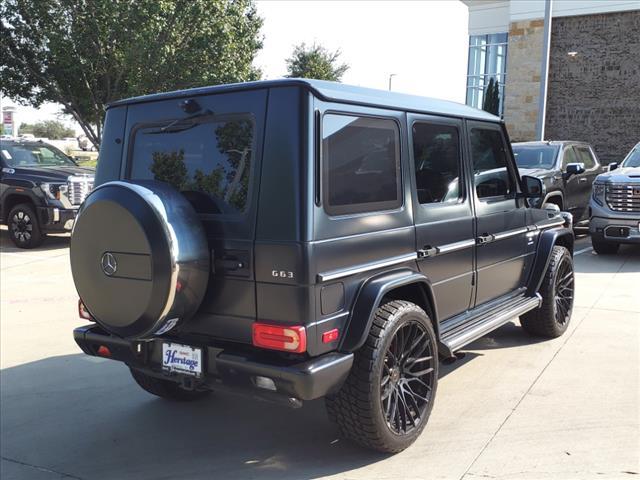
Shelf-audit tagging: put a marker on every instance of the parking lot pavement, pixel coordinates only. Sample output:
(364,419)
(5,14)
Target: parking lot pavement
(514,407)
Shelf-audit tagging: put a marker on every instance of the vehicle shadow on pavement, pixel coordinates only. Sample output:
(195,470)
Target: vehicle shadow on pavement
(507,336)
(51,242)
(85,417)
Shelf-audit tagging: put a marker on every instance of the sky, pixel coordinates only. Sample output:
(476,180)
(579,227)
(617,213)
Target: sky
(424,43)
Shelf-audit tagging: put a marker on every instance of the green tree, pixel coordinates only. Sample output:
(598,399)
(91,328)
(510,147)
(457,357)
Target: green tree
(51,129)
(169,167)
(315,62)
(86,54)
(491,102)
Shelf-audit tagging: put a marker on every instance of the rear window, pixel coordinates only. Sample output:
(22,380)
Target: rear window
(210,160)
(361,164)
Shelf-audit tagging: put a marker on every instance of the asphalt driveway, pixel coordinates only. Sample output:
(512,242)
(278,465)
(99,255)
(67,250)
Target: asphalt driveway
(514,407)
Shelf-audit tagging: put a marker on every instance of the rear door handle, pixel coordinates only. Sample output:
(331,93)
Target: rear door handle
(229,264)
(583,180)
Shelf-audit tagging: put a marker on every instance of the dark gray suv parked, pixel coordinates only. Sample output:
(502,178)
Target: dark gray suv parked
(567,169)
(299,239)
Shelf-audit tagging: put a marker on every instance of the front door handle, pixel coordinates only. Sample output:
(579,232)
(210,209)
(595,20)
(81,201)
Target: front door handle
(583,180)
(427,251)
(484,238)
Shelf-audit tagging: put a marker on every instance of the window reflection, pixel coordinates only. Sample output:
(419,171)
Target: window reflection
(487,65)
(209,162)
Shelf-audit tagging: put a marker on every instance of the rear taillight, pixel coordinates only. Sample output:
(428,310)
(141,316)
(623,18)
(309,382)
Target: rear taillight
(275,337)
(83,312)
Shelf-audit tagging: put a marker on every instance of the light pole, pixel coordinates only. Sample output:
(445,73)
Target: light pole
(544,71)
(390,77)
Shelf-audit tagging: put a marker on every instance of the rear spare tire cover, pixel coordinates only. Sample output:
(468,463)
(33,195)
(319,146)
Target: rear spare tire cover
(139,258)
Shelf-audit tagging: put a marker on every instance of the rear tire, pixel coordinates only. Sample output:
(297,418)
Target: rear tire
(387,398)
(558,286)
(604,247)
(165,388)
(24,227)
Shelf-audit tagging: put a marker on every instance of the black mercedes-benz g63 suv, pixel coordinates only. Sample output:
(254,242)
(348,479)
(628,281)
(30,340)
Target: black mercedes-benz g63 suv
(41,190)
(298,239)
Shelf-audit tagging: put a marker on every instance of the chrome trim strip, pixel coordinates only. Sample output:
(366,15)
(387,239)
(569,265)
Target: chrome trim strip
(556,223)
(357,235)
(335,274)
(454,247)
(509,233)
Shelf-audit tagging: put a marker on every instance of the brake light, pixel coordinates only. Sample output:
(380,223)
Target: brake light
(82,311)
(275,337)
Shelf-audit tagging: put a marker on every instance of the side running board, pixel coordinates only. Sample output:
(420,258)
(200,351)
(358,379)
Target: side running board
(478,327)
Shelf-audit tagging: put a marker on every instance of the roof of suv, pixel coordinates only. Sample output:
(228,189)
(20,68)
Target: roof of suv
(333,91)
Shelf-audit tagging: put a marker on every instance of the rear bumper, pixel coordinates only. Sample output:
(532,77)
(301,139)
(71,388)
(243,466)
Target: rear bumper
(228,369)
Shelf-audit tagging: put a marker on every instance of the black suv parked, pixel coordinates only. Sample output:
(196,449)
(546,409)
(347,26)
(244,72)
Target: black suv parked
(567,169)
(40,190)
(301,239)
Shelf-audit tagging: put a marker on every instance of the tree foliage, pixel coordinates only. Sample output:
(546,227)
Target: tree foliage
(51,129)
(491,102)
(84,54)
(317,62)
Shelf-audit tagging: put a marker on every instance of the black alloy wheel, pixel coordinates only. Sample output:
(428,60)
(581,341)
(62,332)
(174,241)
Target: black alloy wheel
(24,228)
(408,375)
(385,402)
(564,291)
(557,291)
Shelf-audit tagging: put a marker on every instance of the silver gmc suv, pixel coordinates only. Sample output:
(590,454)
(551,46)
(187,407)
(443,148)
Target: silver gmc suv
(615,205)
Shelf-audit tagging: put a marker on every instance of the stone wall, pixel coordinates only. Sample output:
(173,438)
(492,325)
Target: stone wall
(594,96)
(522,89)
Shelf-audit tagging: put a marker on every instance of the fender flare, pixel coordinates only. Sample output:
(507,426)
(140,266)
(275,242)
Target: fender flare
(555,193)
(369,298)
(548,239)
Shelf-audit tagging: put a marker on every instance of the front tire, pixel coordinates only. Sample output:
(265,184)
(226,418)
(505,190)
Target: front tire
(165,388)
(558,286)
(387,398)
(604,247)
(24,228)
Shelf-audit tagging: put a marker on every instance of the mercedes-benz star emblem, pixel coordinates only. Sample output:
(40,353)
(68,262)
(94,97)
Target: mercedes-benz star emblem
(108,263)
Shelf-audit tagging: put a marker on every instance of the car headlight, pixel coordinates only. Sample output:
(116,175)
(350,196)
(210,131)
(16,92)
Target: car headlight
(598,193)
(53,190)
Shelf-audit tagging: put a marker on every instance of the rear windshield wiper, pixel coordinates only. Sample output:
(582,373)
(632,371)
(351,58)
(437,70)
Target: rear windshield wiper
(177,125)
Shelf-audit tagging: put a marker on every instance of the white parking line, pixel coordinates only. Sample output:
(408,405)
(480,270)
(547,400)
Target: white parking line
(584,250)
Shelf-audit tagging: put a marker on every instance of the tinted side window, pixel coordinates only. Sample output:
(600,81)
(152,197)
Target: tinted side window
(436,153)
(569,157)
(585,157)
(209,161)
(491,175)
(361,164)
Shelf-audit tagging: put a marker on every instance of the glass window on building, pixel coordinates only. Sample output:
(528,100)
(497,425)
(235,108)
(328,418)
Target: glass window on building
(486,74)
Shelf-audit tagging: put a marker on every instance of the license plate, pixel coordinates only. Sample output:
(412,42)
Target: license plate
(182,359)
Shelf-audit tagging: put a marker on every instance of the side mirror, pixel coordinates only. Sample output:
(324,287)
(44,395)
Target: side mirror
(574,169)
(613,166)
(533,187)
